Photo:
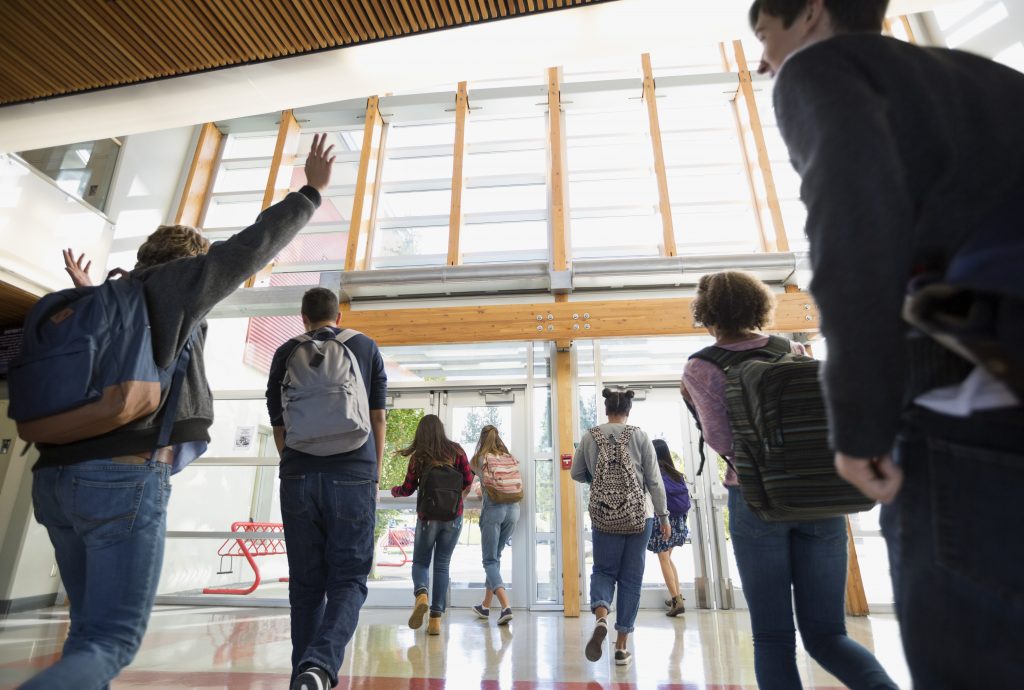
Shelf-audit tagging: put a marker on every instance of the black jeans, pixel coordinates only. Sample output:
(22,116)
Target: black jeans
(960,588)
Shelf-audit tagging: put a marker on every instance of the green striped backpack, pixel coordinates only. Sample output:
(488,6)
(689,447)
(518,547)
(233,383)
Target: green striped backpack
(780,434)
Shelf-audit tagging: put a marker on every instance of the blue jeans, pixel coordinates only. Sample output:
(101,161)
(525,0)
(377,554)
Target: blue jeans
(328,528)
(961,575)
(497,523)
(780,562)
(619,560)
(435,541)
(107,522)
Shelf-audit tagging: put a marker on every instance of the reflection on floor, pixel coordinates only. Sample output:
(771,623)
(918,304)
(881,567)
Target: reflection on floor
(235,649)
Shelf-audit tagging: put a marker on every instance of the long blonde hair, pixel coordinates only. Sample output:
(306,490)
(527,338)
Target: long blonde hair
(490,443)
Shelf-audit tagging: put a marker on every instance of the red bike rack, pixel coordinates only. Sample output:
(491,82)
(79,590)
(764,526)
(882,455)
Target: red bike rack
(251,549)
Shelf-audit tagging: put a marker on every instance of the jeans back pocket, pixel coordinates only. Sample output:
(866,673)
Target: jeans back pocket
(104,512)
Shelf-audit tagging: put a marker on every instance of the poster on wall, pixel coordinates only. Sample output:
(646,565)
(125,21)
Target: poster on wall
(244,436)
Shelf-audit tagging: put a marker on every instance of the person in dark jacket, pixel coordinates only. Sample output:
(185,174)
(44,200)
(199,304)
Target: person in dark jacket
(328,507)
(911,157)
(103,500)
(677,495)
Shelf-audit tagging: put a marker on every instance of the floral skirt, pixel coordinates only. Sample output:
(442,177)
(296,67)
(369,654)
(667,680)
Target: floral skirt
(678,537)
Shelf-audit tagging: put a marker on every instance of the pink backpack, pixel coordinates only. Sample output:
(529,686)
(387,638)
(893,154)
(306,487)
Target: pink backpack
(501,478)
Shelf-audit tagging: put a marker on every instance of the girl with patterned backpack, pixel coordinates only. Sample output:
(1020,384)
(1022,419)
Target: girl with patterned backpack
(502,485)
(626,493)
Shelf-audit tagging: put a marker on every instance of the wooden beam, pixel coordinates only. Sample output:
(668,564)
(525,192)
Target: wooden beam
(781,241)
(908,29)
(458,179)
(748,166)
(371,225)
(366,184)
(201,173)
(279,179)
(558,174)
(565,396)
(794,313)
(668,246)
(856,600)
(887,27)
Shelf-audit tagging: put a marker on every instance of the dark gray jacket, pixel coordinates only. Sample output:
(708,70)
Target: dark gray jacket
(179,295)
(904,153)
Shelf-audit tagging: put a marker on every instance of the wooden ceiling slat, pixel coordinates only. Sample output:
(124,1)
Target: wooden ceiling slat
(187,13)
(160,21)
(370,19)
(350,21)
(77,56)
(176,53)
(316,24)
(57,47)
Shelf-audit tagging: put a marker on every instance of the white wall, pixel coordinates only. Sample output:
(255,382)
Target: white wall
(147,188)
(37,220)
(26,555)
(993,28)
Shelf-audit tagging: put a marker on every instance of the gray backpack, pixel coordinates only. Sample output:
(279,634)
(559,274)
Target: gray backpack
(326,410)
(617,504)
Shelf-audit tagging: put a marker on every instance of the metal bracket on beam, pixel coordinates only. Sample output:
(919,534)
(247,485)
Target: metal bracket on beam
(561,282)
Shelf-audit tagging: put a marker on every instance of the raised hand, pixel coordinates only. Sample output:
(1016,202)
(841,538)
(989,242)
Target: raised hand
(79,273)
(319,164)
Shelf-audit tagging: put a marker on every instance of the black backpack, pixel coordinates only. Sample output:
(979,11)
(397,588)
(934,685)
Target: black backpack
(440,493)
(781,451)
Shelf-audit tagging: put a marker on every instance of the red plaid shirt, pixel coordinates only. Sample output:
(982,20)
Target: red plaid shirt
(412,479)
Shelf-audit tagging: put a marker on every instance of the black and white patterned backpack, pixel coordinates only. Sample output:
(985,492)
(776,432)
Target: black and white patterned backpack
(617,503)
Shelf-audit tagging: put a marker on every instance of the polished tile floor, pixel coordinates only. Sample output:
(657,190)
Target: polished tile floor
(246,648)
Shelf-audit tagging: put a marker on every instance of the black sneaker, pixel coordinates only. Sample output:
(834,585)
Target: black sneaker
(505,617)
(312,678)
(593,649)
(482,612)
(623,657)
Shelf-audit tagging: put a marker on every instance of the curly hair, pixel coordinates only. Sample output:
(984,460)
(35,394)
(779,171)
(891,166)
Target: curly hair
(170,242)
(733,302)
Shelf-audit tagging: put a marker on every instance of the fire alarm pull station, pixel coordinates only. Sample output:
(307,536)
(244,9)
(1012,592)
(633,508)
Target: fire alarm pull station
(566,461)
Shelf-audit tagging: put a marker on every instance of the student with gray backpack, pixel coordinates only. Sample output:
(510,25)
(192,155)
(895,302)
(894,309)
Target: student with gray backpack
(326,396)
(626,497)
(440,476)
(103,496)
(790,541)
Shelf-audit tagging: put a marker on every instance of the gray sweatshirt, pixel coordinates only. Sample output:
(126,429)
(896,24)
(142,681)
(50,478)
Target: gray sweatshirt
(179,295)
(645,462)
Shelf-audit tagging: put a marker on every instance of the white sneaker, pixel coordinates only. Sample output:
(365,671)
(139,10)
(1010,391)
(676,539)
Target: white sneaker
(623,657)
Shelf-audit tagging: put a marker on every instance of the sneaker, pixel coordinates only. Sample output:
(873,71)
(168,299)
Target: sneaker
(312,678)
(505,617)
(668,603)
(593,650)
(678,607)
(434,625)
(419,610)
(623,657)
(482,612)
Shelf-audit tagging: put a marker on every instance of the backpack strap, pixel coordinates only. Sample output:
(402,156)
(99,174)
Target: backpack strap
(174,392)
(347,334)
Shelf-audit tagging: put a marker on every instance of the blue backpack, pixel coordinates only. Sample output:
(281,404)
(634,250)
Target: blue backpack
(86,366)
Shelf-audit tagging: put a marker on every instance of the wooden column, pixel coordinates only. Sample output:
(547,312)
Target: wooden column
(458,179)
(279,179)
(565,396)
(748,167)
(856,600)
(201,173)
(781,241)
(668,247)
(558,175)
(908,29)
(366,185)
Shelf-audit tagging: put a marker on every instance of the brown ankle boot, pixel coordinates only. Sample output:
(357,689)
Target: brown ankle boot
(434,625)
(419,610)
(678,607)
